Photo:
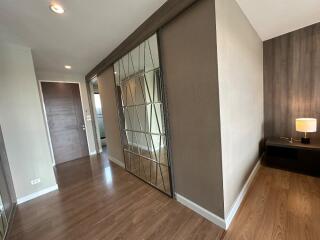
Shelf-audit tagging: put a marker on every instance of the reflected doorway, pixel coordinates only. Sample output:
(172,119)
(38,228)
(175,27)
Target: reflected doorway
(100,133)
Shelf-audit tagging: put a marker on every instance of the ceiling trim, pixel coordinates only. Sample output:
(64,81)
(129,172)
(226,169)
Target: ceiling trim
(162,16)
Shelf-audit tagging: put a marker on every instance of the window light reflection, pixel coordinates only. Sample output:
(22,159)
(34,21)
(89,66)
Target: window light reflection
(108,175)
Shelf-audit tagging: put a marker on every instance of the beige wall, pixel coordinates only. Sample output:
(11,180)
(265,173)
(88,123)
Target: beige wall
(189,64)
(110,114)
(22,122)
(74,78)
(240,64)
(214,85)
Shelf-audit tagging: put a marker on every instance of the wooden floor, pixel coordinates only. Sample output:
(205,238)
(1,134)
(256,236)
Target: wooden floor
(99,200)
(279,205)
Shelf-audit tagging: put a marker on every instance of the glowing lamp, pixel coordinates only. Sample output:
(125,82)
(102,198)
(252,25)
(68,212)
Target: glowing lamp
(306,125)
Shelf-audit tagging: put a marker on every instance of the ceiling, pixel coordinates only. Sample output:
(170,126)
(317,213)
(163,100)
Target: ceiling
(272,18)
(89,30)
(81,37)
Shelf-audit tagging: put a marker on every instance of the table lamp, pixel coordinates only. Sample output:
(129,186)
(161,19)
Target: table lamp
(306,125)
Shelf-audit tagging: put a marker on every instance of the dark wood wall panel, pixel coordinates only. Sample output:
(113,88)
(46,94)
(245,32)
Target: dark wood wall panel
(291,80)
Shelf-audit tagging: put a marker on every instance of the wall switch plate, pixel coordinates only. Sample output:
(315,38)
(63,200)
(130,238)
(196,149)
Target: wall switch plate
(35,181)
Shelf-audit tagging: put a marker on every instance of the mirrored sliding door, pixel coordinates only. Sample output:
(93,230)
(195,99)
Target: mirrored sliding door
(7,197)
(3,220)
(142,115)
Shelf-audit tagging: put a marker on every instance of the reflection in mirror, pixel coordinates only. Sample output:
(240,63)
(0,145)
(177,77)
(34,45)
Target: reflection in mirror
(3,220)
(7,196)
(139,85)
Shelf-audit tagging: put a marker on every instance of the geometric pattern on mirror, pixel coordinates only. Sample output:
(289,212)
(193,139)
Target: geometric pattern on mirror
(142,119)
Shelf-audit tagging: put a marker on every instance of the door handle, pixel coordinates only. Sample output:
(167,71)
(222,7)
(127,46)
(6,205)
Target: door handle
(83,127)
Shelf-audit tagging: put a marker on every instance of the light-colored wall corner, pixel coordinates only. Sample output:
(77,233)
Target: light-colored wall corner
(238,201)
(74,78)
(37,194)
(201,211)
(116,161)
(22,122)
(240,71)
(221,222)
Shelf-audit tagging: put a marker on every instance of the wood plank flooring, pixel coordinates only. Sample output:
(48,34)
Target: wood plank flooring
(280,205)
(99,200)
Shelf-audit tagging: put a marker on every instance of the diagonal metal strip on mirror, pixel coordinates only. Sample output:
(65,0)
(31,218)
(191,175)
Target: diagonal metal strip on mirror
(142,115)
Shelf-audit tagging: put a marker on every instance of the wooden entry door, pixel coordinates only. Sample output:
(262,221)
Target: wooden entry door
(65,120)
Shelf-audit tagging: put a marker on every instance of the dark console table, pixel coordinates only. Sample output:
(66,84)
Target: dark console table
(298,157)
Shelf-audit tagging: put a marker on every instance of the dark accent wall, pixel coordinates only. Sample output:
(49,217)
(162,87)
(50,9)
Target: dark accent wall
(291,80)
(189,63)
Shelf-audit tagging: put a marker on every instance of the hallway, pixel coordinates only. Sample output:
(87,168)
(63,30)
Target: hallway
(99,200)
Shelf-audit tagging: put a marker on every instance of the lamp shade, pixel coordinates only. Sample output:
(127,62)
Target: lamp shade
(306,125)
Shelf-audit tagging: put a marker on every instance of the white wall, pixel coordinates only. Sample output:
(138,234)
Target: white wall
(22,121)
(76,78)
(240,70)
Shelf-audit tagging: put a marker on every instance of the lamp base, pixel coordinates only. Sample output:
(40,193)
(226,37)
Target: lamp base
(305,140)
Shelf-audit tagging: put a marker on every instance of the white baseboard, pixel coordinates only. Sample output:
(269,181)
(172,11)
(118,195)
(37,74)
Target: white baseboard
(93,153)
(116,161)
(223,223)
(202,211)
(37,194)
(242,194)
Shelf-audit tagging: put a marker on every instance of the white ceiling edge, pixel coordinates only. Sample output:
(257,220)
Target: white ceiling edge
(272,18)
(82,37)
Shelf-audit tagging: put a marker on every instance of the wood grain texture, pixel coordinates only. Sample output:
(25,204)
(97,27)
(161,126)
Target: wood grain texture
(99,200)
(291,80)
(163,15)
(279,205)
(65,120)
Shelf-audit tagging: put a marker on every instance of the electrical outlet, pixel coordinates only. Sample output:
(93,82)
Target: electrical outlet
(35,181)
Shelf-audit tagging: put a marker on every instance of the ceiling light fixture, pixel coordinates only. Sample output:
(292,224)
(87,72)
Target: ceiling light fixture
(56,8)
(67,67)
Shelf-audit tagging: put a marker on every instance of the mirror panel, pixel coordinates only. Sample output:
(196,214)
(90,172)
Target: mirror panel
(142,115)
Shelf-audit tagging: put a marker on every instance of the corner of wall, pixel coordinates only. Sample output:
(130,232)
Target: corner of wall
(22,122)
(240,77)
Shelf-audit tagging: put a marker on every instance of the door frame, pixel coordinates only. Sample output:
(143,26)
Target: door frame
(46,119)
(93,113)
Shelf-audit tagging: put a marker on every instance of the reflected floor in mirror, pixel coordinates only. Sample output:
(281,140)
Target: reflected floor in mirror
(150,166)
(100,200)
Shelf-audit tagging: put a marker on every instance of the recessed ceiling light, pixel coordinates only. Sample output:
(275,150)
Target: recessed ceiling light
(67,67)
(56,8)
